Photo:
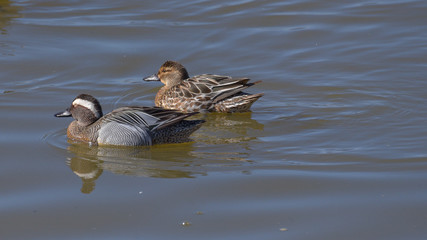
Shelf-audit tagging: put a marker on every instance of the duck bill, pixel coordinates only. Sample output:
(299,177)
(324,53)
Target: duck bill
(153,77)
(65,113)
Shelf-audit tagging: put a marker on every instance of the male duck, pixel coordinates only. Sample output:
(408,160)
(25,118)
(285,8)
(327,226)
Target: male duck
(126,126)
(206,92)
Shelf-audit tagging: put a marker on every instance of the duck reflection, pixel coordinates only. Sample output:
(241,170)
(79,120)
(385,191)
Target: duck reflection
(87,170)
(163,161)
(221,128)
(227,139)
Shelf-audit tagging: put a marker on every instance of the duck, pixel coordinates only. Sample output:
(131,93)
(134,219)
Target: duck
(126,126)
(201,93)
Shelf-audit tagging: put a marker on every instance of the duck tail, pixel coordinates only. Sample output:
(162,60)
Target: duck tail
(228,90)
(239,103)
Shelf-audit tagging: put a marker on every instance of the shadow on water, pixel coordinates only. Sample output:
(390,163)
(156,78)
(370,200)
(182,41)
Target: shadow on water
(7,13)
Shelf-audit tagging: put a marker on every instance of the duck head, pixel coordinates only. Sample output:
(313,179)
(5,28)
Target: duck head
(170,74)
(85,109)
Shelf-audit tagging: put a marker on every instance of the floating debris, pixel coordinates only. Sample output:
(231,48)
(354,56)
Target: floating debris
(186,224)
(283,229)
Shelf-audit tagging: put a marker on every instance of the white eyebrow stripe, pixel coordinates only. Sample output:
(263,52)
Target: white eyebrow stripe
(87,104)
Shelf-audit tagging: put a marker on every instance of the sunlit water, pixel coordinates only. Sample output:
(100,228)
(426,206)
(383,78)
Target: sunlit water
(336,149)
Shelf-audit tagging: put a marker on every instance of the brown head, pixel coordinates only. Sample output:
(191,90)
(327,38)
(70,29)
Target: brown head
(170,73)
(85,109)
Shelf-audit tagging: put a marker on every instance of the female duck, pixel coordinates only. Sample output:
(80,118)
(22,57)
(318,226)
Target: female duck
(126,126)
(206,92)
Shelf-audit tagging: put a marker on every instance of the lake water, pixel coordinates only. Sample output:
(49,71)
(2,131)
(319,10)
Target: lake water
(336,149)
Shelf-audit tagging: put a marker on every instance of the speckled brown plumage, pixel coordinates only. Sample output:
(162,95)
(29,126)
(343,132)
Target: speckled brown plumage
(206,92)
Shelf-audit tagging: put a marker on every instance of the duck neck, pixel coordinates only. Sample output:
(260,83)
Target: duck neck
(160,94)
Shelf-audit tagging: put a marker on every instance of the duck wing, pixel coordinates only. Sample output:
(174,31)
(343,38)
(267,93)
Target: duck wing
(151,118)
(133,126)
(220,87)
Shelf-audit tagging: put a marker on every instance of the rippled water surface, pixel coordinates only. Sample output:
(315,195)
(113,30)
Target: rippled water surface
(336,149)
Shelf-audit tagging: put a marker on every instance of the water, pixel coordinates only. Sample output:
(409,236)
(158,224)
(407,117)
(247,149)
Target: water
(336,149)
